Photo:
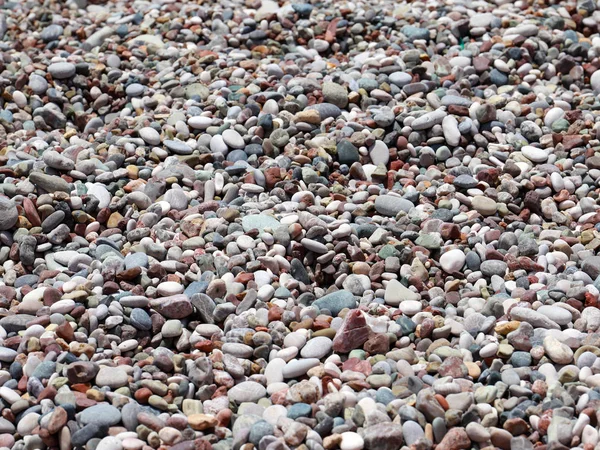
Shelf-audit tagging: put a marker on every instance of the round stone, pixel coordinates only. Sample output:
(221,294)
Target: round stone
(453,260)
(484,205)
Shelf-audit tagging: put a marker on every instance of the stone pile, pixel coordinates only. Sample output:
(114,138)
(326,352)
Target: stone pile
(326,225)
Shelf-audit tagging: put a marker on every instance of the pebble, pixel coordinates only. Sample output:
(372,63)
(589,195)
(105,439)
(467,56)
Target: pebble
(390,205)
(484,205)
(453,260)
(61,70)
(9,214)
(150,135)
(317,347)
(534,154)
(351,441)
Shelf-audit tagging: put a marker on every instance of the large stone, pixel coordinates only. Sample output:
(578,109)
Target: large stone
(453,260)
(247,391)
(591,315)
(379,153)
(173,307)
(7,355)
(298,367)
(233,139)
(534,154)
(493,267)
(557,314)
(396,292)
(317,347)
(557,351)
(150,135)
(326,110)
(483,20)
(101,415)
(428,405)
(197,89)
(15,323)
(390,205)
(97,38)
(455,439)
(259,222)
(51,32)
(8,214)
(335,94)
(147,39)
(400,79)
(85,371)
(412,432)
(336,301)
(353,333)
(347,153)
(451,132)
(535,318)
(61,70)
(49,183)
(57,161)
(484,205)
(112,377)
(383,436)
(591,265)
(100,192)
(428,120)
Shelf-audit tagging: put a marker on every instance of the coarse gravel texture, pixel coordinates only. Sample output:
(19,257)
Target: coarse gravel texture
(325,225)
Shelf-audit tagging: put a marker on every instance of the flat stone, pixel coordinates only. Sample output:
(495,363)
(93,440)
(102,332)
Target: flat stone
(178,147)
(557,314)
(336,301)
(61,70)
(259,222)
(49,183)
(493,267)
(390,205)
(412,432)
(317,347)
(150,135)
(428,120)
(15,323)
(247,391)
(396,292)
(537,155)
(535,318)
(400,79)
(326,110)
(233,139)
(101,415)
(112,377)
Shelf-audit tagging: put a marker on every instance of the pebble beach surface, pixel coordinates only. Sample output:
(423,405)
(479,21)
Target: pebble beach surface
(327,225)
